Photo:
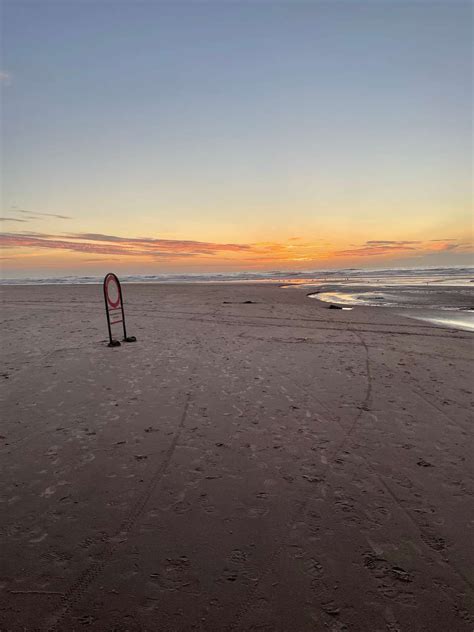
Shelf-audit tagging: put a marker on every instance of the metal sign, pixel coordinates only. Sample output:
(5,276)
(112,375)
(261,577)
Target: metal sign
(114,308)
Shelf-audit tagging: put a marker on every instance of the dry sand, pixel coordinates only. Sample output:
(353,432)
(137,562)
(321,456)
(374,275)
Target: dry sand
(275,466)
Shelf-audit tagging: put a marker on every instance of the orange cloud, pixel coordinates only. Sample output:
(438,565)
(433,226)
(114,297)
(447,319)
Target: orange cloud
(93,243)
(379,248)
(98,243)
(295,253)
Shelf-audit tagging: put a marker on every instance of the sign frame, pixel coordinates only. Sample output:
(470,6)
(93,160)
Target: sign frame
(112,307)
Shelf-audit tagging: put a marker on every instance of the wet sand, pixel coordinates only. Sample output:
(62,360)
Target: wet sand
(272,466)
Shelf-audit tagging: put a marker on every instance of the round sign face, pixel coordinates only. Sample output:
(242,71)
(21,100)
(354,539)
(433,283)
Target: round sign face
(112,291)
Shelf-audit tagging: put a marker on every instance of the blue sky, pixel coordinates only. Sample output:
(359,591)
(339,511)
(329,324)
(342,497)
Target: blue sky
(336,123)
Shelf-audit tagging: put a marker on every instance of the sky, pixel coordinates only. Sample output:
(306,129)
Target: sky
(150,137)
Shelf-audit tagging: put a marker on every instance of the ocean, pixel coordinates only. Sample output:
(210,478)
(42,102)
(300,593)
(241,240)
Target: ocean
(400,276)
(441,295)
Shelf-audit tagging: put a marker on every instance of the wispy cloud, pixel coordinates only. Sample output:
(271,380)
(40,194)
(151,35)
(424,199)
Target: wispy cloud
(97,259)
(295,251)
(12,219)
(5,77)
(382,247)
(93,243)
(446,245)
(172,245)
(374,248)
(444,240)
(152,248)
(36,214)
(385,242)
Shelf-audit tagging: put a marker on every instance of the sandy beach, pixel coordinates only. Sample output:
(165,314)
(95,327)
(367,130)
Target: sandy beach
(270,465)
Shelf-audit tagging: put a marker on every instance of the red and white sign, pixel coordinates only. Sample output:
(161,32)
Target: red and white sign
(114,308)
(112,291)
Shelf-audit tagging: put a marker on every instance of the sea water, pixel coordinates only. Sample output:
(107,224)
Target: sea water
(443,296)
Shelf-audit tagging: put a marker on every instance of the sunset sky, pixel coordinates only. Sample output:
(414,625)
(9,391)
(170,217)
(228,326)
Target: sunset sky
(150,137)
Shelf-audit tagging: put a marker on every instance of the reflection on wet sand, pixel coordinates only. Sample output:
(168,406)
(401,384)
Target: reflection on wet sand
(448,306)
(454,320)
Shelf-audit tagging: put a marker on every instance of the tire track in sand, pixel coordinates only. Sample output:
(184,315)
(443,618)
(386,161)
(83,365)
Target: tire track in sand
(249,602)
(81,585)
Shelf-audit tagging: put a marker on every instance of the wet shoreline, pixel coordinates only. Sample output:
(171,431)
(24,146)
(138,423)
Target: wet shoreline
(448,306)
